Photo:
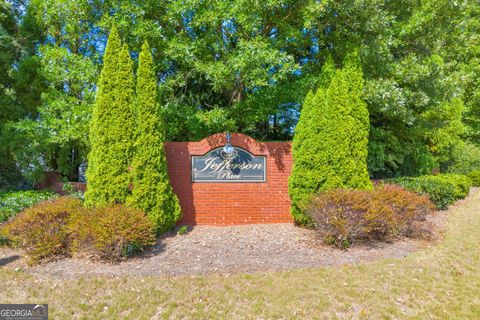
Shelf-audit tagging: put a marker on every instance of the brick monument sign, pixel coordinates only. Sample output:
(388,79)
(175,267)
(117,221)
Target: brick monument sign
(249,187)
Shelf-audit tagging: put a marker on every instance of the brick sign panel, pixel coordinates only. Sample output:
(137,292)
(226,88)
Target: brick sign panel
(219,203)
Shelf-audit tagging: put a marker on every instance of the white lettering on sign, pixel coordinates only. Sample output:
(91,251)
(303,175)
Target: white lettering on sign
(213,167)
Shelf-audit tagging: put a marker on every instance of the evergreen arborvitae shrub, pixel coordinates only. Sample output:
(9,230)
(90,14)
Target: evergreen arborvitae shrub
(152,191)
(111,128)
(331,138)
(346,92)
(301,131)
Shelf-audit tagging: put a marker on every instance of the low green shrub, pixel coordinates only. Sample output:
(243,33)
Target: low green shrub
(111,233)
(462,183)
(342,217)
(42,229)
(475,178)
(12,202)
(465,158)
(69,189)
(443,189)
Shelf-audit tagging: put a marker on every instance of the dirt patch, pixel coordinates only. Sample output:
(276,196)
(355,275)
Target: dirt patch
(235,249)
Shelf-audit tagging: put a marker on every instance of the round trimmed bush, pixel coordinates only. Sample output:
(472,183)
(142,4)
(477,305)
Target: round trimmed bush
(41,229)
(342,217)
(111,233)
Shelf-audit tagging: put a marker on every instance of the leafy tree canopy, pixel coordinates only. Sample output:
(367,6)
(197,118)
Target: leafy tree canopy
(247,66)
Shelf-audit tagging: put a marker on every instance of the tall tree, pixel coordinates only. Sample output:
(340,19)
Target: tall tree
(58,134)
(152,191)
(9,53)
(413,78)
(246,65)
(330,142)
(112,128)
(470,54)
(222,65)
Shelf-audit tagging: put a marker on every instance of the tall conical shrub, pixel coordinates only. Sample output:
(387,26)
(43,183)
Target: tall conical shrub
(302,130)
(310,108)
(111,128)
(330,142)
(355,176)
(151,186)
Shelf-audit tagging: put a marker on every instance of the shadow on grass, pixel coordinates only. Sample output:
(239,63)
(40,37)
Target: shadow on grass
(7,260)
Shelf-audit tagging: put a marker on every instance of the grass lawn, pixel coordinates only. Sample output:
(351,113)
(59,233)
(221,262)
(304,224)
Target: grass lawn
(442,282)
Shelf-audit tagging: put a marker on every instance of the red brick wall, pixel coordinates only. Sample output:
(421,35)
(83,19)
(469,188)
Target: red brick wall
(53,181)
(231,203)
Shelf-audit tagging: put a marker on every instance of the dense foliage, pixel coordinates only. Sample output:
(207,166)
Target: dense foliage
(152,191)
(58,134)
(111,233)
(342,217)
(443,189)
(63,226)
(465,158)
(475,178)
(42,229)
(330,144)
(12,202)
(112,132)
(241,65)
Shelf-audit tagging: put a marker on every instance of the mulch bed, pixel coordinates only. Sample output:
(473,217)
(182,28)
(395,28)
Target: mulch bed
(235,249)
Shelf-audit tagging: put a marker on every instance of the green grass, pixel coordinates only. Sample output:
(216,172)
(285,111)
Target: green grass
(441,282)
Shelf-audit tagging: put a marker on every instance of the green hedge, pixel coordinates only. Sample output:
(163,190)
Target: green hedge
(475,177)
(443,189)
(12,202)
